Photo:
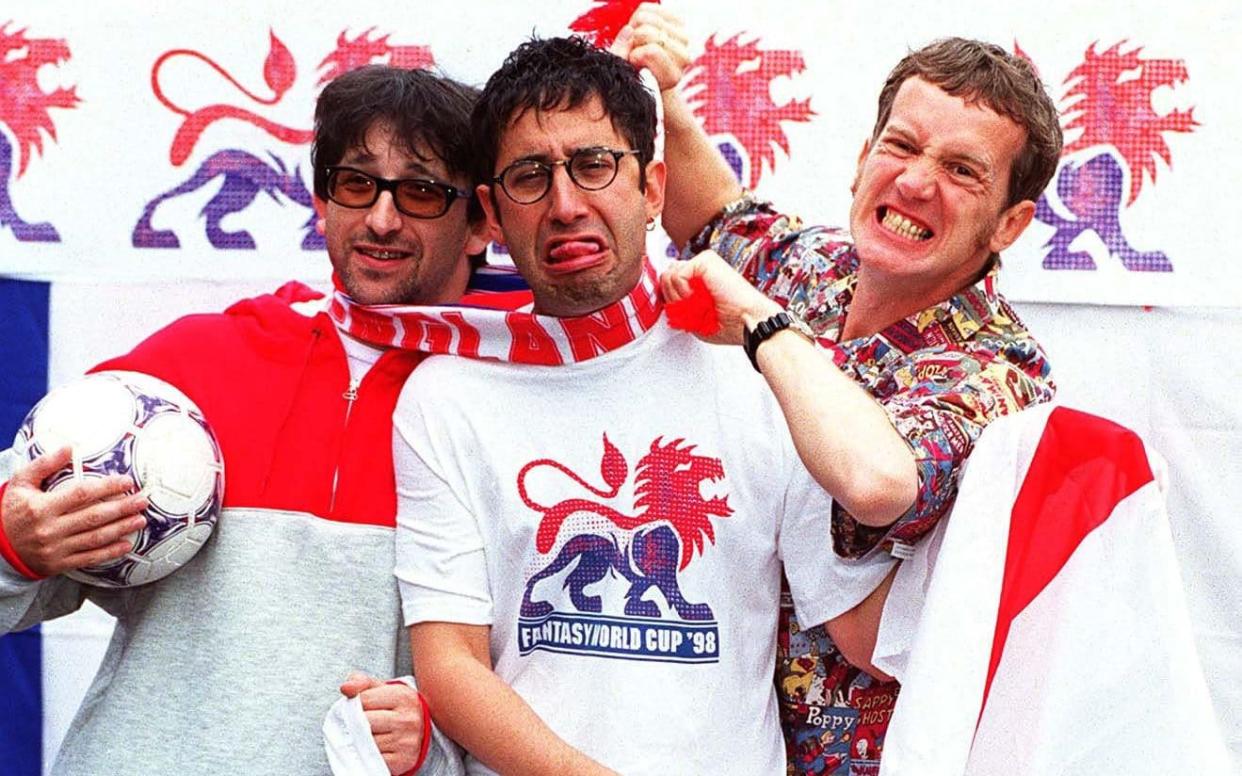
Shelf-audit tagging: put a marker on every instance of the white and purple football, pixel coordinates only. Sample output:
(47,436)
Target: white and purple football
(139,426)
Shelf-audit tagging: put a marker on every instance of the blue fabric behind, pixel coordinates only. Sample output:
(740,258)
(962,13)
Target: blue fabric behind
(23,381)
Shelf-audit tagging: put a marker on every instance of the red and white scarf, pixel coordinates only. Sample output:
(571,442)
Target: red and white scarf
(490,325)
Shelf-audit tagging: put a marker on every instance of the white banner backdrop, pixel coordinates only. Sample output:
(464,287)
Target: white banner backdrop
(157,143)
(189,128)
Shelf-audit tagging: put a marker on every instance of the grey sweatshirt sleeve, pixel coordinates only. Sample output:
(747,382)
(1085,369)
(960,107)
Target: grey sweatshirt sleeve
(443,758)
(26,602)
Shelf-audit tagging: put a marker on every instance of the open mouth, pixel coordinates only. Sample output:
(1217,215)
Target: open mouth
(575,253)
(1172,98)
(901,225)
(381,254)
(42,70)
(714,489)
(56,75)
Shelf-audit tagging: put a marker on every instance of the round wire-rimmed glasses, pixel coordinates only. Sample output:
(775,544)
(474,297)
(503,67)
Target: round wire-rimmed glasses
(527,181)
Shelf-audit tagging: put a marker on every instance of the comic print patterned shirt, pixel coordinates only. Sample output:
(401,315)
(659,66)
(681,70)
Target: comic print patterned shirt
(941,375)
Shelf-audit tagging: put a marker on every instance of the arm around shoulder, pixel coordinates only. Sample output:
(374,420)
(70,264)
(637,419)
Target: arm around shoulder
(700,181)
(854,633)
(842,434)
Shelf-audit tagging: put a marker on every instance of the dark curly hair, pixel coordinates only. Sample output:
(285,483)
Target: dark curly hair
(429,112)
(561,74)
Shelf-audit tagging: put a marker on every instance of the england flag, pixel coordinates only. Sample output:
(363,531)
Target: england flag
(1043,629)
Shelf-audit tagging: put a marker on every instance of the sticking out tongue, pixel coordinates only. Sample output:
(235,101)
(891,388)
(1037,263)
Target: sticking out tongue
(573,249)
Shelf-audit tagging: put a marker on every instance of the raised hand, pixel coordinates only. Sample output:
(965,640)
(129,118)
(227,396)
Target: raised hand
(655,38)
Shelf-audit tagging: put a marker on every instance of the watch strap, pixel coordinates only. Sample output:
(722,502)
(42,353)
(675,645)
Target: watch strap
(763,331)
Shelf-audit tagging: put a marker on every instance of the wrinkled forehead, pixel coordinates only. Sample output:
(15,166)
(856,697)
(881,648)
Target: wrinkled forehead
(924,108)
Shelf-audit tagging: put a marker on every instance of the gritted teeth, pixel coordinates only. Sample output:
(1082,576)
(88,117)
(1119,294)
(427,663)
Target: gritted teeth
(898,224)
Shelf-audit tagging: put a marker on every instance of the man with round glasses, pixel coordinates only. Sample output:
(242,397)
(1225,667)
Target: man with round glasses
(232,662)
(564,621)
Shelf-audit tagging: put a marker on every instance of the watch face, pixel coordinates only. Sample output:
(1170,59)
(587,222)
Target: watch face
(801,327)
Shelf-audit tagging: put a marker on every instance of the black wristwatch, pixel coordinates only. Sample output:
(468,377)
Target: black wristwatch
(753,338)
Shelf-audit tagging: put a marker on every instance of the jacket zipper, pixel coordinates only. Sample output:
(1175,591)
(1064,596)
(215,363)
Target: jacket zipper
(350,395)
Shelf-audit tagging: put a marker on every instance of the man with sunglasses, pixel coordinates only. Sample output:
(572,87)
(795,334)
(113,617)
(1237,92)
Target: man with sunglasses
(230,664)
(593,510)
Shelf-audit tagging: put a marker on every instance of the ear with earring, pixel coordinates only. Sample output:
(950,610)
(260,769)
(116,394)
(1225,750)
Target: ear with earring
(651,224)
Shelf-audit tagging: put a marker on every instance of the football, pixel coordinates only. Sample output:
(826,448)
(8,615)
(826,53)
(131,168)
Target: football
(139,426)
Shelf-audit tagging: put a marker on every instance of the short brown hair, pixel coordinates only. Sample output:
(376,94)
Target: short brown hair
(1006,83)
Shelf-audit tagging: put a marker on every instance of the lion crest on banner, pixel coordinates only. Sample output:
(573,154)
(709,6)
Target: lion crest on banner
(730,89)
(244,175)
(25,117)
(1117,138)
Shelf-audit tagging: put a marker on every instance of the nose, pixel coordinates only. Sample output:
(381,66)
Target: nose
(383,217)
(918,179)
(568,202)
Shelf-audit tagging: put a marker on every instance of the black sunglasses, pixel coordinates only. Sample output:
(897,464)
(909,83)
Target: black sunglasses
(415,197)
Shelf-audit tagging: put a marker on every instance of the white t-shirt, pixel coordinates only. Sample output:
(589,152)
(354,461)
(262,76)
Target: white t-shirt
(620,523)
(360,356)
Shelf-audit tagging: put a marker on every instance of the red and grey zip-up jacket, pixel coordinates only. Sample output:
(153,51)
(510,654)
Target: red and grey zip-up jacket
(230,664)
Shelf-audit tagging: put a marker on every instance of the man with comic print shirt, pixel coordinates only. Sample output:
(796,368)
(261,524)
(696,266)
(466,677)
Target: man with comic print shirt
(913,350)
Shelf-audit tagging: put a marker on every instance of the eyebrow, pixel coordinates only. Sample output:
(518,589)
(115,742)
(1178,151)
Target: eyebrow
(409,172)
(978,162)
(356,157)
(545,158)
(973,160)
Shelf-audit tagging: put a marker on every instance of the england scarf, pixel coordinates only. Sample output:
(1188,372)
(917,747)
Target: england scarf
(495,323)
(1042,628)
